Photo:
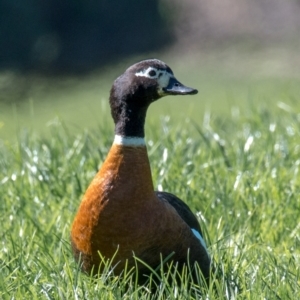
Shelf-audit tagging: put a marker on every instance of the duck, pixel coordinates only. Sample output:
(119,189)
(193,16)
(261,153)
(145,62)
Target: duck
(121,216)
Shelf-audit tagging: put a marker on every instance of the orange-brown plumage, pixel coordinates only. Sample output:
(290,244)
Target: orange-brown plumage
(120,211)
(121,215)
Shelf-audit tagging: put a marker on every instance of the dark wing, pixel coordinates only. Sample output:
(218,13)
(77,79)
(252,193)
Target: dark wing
(182,209)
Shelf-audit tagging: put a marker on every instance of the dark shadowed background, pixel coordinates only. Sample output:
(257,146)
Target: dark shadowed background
(73,36)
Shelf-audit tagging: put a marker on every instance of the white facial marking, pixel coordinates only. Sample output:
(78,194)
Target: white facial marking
(129,141)
(200,238)
(162,77)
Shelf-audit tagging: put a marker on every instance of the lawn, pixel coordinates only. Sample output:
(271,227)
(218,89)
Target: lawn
(232,153)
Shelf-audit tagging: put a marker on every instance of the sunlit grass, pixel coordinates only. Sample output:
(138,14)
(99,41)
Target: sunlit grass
(239,171)
(232,153)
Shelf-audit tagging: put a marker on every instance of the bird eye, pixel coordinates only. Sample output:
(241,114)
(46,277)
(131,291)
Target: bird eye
(152,73)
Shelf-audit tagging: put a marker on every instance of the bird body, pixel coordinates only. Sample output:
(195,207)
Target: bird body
(121,216)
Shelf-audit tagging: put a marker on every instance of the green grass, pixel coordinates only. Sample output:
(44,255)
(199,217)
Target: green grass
(237,167)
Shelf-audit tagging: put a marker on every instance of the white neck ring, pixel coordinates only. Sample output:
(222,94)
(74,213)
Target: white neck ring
(129,141)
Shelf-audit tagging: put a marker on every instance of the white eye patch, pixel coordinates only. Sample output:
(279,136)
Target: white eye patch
(162,76)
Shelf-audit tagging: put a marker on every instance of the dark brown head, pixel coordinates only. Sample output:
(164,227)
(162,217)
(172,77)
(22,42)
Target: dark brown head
(139,86)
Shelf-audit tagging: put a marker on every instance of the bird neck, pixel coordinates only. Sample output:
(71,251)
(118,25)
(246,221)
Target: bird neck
(130,121)
(127,170)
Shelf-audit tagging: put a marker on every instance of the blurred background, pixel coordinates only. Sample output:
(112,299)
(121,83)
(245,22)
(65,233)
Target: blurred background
(58,58)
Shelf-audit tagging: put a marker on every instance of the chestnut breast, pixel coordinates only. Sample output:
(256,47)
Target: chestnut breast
(120,212)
